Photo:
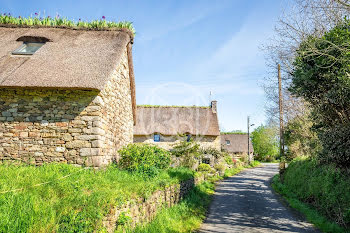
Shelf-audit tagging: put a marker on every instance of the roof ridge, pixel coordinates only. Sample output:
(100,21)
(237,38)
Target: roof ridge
(171,106)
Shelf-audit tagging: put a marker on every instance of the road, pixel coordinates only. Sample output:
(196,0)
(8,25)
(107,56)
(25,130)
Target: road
(246,203)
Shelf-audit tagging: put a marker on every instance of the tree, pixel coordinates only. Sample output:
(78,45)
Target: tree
(265,143)
(321,77)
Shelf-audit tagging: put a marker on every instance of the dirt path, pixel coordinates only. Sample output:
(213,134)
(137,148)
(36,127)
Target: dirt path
(246,203)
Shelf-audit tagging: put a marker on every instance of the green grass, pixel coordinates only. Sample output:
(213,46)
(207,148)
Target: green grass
(188,215)
(226,133)
(320,192)
(76,203)
(170,106)
(57,21)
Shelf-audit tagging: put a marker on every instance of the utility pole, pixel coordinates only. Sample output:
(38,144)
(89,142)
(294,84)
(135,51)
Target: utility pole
(248,139)
(248,124)
(281,111)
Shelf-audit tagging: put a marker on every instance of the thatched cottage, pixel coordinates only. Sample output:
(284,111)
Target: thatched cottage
(65,95)
(166,125)
(236,144)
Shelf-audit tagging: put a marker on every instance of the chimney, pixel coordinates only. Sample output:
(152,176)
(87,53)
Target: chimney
(213,106)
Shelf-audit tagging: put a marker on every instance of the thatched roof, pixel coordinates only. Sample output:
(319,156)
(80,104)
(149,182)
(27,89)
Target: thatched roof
(79,59)
(238,143)
(169,120)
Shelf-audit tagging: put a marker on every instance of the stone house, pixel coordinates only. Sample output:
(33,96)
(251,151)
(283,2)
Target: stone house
(165,126)
(236,144)
(65,95)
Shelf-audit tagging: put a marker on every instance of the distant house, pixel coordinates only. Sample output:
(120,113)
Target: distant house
(236,144)
(165,125)
(65,95)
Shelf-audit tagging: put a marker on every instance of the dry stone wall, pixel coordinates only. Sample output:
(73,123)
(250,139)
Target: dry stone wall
(73,126)
(143,211)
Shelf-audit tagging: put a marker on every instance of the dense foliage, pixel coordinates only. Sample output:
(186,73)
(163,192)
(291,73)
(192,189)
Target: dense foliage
(323,186)
(265,143)
(188,152)
(144,159)
(63,22)
(321,77)
(300,139)
(65,198)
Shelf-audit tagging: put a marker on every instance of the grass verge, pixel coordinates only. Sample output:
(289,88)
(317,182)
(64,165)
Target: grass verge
(188,215)
(64,198)
(311,214)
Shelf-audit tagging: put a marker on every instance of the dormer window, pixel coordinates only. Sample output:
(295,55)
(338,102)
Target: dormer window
(28,48)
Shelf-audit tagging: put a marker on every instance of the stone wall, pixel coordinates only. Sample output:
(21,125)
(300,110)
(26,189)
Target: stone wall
(73,126)
(143,211)
(168,142)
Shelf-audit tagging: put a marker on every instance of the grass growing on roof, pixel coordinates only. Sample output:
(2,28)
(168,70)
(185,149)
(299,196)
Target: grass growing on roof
(170,106)
(102,24)
(76,203)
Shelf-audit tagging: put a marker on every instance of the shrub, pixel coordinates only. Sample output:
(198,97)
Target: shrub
(323,186)
(220,167)
(210,151)
(203,167)
(188,152)
(144,159)
(229,160)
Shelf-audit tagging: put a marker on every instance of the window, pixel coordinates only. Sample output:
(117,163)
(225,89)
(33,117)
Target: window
(28,48)
(228,142)
(156,138)
(188,137)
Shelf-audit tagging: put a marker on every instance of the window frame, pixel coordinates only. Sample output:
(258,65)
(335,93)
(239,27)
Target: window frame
(228,142)
(24,45)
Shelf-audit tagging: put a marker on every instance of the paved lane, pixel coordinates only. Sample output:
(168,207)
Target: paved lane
(246,203)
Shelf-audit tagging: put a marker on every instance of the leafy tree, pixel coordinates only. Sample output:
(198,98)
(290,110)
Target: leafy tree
(299,137)
(321,77)
(265,142)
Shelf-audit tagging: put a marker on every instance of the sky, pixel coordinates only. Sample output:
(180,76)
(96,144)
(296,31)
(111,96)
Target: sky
(187,52)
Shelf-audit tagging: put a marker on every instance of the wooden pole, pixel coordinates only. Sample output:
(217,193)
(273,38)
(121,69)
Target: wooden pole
(281,111)
(248,140)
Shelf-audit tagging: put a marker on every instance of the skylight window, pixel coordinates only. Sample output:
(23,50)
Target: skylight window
(28,48)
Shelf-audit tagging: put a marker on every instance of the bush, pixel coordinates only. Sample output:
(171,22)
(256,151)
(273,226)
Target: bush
(323,186)
(321,77)
(210,151)
(336,145)
(203,167)
(188,152)
(144,159)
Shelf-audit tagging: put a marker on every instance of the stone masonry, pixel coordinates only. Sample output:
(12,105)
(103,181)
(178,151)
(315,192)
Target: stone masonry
(83,127)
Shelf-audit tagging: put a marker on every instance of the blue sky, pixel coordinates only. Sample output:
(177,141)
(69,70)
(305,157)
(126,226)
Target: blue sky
(184,50)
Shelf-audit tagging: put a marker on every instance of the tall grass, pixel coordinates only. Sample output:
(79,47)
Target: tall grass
(188,215)
(324,189)
(76,203)
(64,22)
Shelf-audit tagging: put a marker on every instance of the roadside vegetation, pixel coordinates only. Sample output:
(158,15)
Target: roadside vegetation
(188,215)
(66,198)
(320,192)
(312,45)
